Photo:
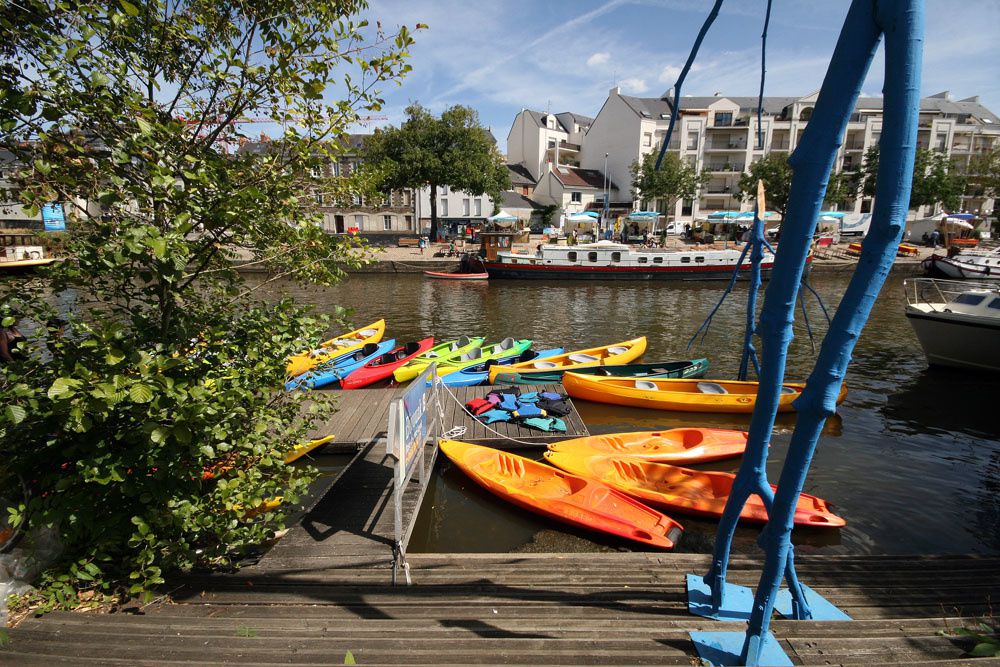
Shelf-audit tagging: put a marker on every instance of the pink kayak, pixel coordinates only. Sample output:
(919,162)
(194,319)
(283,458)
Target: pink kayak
(382,367)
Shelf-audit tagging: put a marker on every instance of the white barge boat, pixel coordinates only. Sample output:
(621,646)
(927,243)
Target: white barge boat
(957,323)
(976,264)
(605,260)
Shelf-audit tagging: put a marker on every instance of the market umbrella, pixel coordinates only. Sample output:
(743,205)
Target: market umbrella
(502,216)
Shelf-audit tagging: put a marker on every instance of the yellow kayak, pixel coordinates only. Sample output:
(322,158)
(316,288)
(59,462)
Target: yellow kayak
(606,355)
(681,395)
(335,347)
(441,354)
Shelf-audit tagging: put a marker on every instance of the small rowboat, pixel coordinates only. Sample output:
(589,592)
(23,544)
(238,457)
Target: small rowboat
(564,497)
(476,375)
(456,276)
(438,353)
(606,355)
(340,367)
(695,492)
(506,348)
(348,342)
(677,445)
(681,395)
(691,368)
(382,367)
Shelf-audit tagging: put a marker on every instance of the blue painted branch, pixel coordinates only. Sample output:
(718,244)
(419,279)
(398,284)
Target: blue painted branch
(902,23)
(763,72)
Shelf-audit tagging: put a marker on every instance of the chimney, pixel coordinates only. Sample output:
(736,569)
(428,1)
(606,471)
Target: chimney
(615,91)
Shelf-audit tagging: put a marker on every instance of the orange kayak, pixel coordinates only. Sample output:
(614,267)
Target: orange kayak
(677,445)
(691,491)
(565,497)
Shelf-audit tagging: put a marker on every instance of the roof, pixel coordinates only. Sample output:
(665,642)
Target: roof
(509,200)
(573,177)
(519,175)
(565,119)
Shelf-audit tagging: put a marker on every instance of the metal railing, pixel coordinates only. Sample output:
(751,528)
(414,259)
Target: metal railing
(923,290)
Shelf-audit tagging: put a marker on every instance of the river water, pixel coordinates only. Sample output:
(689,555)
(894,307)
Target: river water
(911,460)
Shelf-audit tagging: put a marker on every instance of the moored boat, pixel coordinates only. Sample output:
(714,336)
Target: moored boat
(478,374)
(605,355)
(676,445)
(681,395)
(335,347)
(562,496)
(438,275)
(338,368)
(382,367)
(966,265)
(605,260)
(697,492)
(506,348)
(439,354)
(957,323)
(691,368)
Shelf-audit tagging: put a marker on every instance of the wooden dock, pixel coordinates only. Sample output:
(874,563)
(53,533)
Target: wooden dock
(529,609)
(362,417)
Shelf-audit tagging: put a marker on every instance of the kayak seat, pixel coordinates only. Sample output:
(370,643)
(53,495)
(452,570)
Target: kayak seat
(711,388)
(461,342)
(789,390)
(474,353)
(410,348)
(505,344)
(647,385)
(617,349)
(544,364)
(582,358)
(367,333)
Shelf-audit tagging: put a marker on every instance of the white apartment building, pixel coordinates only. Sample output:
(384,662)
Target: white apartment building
(536,139)
(719,134)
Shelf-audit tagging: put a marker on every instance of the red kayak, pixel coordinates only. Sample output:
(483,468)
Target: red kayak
(456,276)
(382,367)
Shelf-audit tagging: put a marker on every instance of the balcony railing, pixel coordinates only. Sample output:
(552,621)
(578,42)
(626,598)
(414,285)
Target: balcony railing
(724,167)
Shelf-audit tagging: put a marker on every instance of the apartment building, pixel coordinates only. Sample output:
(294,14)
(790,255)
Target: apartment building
(537,139)
(390,214)
(719,134)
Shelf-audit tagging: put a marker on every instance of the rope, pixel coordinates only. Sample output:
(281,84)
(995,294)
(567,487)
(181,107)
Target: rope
(486,426)
(680,79)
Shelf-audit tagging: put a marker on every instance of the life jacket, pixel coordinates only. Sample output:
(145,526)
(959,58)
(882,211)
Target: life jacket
(548,424)
(491,416)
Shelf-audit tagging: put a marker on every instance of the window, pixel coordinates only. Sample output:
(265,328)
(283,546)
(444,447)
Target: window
(359,221)
(387,222)
(466,204)
(357,200)
(552,143)
(444,189)
(571,256)
(316,172)
(336,168)
(685,260)
(575,197)
(444,207)
(657,260)
(616,257)
(319,198)
(994,304)
(970,299)
(700,259)
(647,139)
(692,143)
(643,259)
(591,256)
(479,207)
(723,118)
(409,221)
(941,142)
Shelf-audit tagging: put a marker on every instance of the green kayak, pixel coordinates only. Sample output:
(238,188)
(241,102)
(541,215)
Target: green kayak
(691,368)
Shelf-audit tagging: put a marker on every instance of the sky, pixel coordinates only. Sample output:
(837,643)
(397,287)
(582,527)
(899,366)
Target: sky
(500,56)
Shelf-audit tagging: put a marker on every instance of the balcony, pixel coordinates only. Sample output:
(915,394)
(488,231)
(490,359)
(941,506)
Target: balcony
(724,168)
(726,146)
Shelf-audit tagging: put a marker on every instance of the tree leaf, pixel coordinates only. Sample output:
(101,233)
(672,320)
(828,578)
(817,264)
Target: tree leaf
(159,247)
(61,388)
(129,8)
(144,127)
(141,393)
(349,659)
(15,413)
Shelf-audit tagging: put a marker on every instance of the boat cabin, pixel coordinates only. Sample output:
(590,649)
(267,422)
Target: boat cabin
(492,243)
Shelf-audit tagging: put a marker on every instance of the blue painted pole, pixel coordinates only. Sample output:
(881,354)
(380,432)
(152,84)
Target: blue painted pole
(756,257)
(901,21)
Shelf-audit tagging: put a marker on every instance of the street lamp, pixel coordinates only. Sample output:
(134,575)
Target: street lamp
(607,180)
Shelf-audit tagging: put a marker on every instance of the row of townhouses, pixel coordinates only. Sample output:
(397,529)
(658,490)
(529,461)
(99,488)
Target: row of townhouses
(573,162)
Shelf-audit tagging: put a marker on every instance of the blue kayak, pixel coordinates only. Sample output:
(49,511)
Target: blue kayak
(478,374)
(338,368)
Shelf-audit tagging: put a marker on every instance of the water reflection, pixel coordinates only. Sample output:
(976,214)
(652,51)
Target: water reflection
(911,460)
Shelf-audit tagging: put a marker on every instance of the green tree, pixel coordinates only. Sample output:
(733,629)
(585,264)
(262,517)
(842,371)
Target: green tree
(153,424)
(776,173)
(936,179)
(839,189)
(453,150)
(675,179)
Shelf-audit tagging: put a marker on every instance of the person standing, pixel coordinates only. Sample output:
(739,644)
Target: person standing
(422,243)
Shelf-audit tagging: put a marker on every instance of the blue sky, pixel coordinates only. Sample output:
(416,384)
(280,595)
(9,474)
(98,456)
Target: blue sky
(563,55)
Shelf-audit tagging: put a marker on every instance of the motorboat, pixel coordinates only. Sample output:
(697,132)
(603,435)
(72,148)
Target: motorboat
(956,322)
(968,264)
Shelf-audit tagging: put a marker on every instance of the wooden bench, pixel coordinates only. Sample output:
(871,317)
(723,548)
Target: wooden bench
(408,243)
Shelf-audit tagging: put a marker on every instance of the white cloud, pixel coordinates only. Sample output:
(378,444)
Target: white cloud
(598,59)
(633,85)
(670,74)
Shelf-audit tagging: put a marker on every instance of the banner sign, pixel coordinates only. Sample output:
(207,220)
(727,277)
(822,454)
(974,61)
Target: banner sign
(408,428)
(53,218)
